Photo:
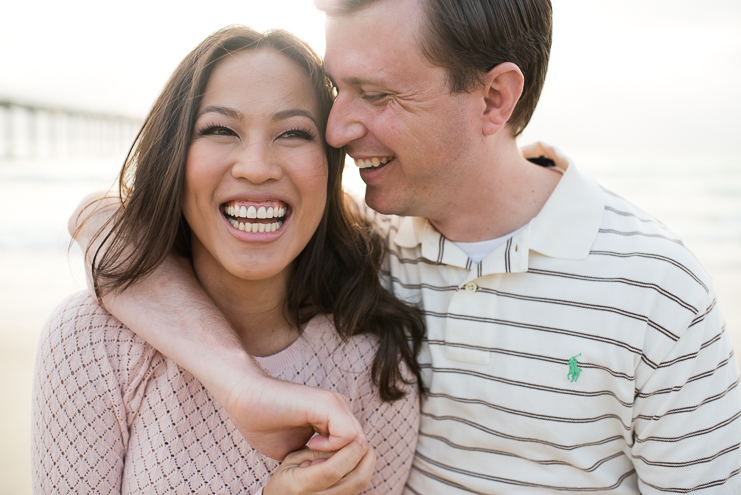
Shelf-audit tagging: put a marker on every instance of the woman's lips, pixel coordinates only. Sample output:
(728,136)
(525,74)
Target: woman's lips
(256,216)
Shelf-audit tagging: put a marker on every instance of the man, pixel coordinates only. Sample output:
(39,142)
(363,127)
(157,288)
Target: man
(573,343)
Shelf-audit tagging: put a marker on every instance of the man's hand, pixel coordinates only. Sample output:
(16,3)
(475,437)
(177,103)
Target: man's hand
(346,472)
(170,310)
(278,417)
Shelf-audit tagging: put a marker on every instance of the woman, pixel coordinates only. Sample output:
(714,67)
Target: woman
(231,171)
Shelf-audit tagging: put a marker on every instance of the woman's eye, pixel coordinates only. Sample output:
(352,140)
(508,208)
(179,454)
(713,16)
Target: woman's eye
(299,134)
(217,130)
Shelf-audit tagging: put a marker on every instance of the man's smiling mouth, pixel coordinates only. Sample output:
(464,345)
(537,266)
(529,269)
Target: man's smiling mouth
(373,162)
(259,215)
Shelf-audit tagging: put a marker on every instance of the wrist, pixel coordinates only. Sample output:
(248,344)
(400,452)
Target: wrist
(232,376)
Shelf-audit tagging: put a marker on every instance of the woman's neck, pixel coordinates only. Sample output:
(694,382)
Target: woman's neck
(253,307)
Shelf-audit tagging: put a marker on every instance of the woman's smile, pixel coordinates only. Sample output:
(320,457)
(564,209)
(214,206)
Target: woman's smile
(263,217)
(255,217)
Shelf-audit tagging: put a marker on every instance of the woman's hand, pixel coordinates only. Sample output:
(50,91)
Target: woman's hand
(345,472)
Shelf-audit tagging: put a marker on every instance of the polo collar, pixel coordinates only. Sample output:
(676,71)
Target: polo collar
(565,227)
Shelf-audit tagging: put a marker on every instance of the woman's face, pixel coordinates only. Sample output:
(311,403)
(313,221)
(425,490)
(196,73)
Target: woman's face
(256,172)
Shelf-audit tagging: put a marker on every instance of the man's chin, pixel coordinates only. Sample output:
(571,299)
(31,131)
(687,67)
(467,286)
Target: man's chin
(384,202)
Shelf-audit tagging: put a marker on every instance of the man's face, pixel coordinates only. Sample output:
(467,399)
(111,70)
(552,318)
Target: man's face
(394,113)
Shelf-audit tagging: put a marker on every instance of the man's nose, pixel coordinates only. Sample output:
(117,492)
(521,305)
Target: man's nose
(346,123)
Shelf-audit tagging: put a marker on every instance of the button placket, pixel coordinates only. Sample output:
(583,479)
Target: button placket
(470,340)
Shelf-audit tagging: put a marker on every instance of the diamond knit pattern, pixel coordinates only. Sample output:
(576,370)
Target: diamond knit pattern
(112,415)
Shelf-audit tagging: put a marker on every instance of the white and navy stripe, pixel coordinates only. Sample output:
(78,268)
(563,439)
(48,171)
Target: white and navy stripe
(656,407)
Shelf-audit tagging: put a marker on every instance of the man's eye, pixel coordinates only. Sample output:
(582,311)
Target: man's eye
(374,97)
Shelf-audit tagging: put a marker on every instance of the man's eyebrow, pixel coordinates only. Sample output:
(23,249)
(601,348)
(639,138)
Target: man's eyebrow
(229,112)
(294,112)
(353,80)
(359,81)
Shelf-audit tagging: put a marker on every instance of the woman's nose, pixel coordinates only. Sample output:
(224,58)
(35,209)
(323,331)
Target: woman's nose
(257,164)
(346,123)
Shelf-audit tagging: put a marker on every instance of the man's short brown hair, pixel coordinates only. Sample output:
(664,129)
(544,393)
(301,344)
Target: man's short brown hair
(470,37)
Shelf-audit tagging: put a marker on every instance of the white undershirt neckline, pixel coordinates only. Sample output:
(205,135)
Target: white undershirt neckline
(477,251)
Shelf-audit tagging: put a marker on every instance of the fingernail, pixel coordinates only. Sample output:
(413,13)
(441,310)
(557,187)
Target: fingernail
(360,439)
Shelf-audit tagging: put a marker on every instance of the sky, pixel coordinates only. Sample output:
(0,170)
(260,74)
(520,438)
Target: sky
(657,78)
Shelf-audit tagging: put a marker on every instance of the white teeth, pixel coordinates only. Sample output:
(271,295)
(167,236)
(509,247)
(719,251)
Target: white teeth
(255,227)
(371,162)
(253,212)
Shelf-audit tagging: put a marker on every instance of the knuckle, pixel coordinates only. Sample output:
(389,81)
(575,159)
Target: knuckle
(333,473)
(360,482)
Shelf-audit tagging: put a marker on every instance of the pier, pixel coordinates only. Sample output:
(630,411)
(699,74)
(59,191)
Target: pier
(29,130)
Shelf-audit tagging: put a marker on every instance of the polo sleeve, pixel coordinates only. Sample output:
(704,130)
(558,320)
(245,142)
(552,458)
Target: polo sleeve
(686,425)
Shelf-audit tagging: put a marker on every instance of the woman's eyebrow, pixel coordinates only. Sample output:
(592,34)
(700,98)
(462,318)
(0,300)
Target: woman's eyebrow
(229,112)
(294,112)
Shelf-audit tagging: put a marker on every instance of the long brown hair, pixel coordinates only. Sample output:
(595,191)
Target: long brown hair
(337,272)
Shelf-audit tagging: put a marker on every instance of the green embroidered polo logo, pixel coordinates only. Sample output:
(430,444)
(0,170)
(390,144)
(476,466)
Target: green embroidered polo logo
(574,369)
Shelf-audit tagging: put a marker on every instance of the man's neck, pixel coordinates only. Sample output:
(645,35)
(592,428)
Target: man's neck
(502,193)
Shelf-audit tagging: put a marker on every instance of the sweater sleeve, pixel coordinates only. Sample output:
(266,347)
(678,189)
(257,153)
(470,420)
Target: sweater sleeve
(391,428)
(86,363)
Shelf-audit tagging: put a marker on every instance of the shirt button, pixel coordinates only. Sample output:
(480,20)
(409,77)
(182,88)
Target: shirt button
(471,287)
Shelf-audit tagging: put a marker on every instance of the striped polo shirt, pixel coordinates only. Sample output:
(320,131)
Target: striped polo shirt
(586,354)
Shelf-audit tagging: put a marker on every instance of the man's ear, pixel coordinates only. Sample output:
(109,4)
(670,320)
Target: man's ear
(502,90)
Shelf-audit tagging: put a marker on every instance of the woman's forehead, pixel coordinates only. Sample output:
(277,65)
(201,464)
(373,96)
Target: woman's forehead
(259,80)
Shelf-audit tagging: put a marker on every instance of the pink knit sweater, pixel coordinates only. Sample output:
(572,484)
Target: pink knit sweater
(112,415)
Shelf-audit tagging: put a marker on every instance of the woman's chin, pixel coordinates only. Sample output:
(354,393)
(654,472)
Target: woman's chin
(249,274)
